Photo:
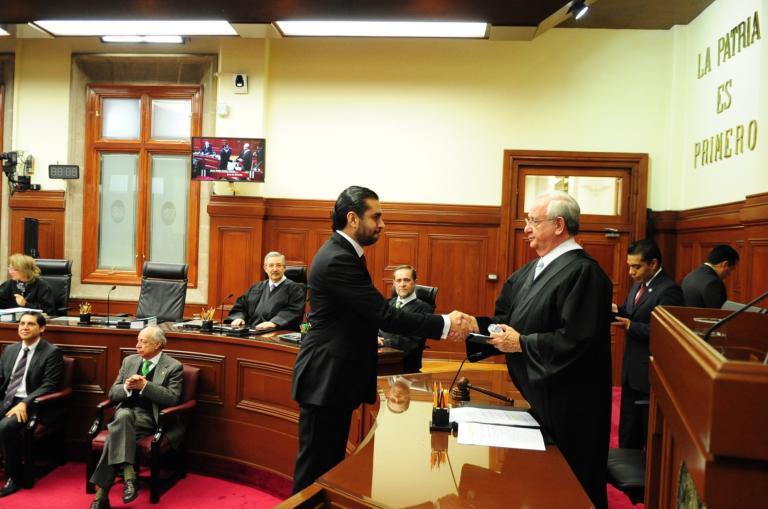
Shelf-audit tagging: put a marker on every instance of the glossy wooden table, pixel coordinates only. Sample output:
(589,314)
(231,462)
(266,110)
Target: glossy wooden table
(246,420)
(396,464)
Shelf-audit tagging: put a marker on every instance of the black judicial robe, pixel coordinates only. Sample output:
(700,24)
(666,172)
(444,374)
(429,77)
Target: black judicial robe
(564,370)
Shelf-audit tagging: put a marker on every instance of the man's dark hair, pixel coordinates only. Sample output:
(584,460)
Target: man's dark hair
(723,253)
(39,317)
(401,267)
(647,249)
(351,199)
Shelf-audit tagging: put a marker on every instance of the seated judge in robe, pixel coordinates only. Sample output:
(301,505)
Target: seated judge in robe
(276,302)
(149,381)
(555,312)
(24,287)
(704,286)
(404,279)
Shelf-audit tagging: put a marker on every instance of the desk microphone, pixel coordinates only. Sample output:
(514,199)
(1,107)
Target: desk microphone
(728,318)
(471,358)
(110,291)
(221,314)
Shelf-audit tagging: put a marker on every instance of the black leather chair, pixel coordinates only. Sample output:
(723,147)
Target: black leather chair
(46,429)
(296,273)
(58,274)
(163,291)
(425,293)
(626,467)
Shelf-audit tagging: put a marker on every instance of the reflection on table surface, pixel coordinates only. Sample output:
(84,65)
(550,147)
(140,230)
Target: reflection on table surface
(402,464)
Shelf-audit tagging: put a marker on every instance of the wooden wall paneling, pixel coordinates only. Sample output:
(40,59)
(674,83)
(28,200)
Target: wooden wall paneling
(400,248)
(457,264)
(210,385)
(259,383)
(48,208)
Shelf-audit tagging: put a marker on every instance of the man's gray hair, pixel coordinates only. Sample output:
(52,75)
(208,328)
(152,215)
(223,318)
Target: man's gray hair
(272,254)
(157,335)
(562,204)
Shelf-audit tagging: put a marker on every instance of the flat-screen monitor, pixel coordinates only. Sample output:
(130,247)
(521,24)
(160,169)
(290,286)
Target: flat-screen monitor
(228,159)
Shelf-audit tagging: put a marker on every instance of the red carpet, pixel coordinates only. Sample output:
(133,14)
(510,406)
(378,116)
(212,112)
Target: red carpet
(617,499)
(64,488)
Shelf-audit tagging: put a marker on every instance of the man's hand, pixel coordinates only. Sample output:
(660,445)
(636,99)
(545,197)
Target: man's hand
(507,341)
(381,341)
(20,411)
(20,300)
(237,322)
(136,383)
(625,321)
(266,325)
(461,325)
(614,307)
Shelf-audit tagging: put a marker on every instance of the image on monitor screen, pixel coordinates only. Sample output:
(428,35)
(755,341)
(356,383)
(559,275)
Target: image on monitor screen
(228,159)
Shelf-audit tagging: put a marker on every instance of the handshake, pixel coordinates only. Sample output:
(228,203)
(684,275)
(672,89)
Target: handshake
(462,325)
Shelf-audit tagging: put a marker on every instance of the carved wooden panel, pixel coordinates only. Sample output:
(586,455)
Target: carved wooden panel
(90,374)
(756,267)
(261,388)
(48,208)
(291,242)
(210,383)
(457,264)
(611,254)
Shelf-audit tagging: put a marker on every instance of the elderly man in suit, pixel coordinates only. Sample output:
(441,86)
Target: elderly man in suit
(704,286)
(335,370)
(28,369)
(149,381)
(404,279)
(652,287)
(276,302)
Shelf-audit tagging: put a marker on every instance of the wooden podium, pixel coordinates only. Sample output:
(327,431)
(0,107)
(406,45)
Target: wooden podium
(708,425)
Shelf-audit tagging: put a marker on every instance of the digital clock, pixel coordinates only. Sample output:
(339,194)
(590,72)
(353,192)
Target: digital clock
(63,171)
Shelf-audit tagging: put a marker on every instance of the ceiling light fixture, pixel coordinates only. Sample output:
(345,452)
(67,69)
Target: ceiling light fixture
(578,8)
(300,28)
(143,39)
(136,27)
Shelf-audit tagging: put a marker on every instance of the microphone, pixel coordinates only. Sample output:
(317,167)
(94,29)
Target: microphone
(471,358)
(221,315)
(728,318)
(110,291)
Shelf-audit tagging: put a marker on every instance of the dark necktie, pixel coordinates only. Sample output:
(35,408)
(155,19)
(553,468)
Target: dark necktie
(15,381)
(640,292)
(365,263)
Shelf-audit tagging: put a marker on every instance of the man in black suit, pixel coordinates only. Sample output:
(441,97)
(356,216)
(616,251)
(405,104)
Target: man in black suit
(224,154)
(149,381)
(28,369)
(245,157)
(704,287)
(335,369)
(276,302)
(404,279)
(652,287)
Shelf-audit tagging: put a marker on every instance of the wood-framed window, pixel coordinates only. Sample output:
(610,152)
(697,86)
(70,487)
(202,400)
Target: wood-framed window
(139,202)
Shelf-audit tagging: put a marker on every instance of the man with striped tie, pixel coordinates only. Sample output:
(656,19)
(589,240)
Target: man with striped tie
(148,381)
(28,369)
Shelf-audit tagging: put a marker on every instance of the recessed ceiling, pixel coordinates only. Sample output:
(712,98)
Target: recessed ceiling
(637,14)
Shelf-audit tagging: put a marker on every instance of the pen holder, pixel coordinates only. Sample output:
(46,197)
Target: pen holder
(440,420)
(207,326)
(85,318)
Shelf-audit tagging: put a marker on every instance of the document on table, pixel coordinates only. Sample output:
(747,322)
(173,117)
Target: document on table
(493,416)
(473,433)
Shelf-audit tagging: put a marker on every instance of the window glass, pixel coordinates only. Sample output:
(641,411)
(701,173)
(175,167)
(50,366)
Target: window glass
(120,119)
(596,195)
(171,119)
(117,211)
(168,204)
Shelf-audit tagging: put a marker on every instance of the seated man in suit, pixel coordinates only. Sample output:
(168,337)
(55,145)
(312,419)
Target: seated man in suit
(704,287)
(275,303)
(404,278)
(149,381)
(28,369)
(652,287)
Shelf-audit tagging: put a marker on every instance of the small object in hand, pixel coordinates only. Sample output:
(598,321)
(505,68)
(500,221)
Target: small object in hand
(495,328)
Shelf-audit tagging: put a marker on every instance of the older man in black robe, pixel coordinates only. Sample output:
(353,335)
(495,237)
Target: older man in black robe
(555,313)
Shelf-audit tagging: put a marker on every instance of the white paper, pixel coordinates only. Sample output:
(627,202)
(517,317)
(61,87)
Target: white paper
(472,433)
(19,310)
(493,416)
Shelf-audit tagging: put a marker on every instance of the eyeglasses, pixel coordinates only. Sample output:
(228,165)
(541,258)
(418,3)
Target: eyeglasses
(529,221)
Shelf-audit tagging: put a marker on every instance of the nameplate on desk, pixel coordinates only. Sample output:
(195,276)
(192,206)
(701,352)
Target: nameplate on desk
(291,337)
(140,323)
(14,314)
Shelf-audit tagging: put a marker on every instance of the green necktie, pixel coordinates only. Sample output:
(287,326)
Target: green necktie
(145,367)
(399,304)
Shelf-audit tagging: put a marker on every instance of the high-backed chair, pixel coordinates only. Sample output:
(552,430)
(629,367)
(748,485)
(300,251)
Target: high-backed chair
(154,450)
(626,467)
(47,425)
(163,291)
(58,274)
(296,273)
(426,293)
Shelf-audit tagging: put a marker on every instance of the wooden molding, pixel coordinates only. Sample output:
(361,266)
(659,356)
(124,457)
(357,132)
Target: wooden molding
(48,208)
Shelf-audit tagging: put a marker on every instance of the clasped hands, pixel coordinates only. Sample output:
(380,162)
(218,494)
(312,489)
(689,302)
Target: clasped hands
(462,325)
(135,383)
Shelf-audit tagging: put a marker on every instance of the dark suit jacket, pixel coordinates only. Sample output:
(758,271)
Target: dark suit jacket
(286,307)
(224,157)
(703,288)
(45,372)
(661,291)
(246,156)
(37,292)
(163,391)
(405,342)
(336,365)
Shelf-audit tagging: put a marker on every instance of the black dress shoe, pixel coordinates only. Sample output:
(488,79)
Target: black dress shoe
(9,487)
(130,490)
(100,504)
